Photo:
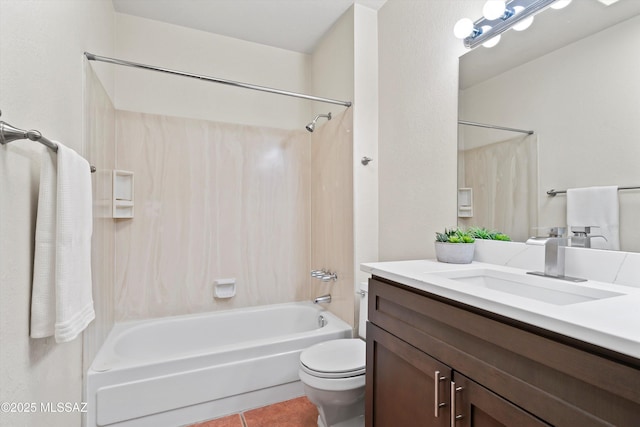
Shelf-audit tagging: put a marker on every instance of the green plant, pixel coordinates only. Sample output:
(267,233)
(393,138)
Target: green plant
(483,233)
(454,235)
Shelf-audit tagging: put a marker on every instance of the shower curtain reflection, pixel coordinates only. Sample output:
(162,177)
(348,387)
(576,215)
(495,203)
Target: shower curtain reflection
(504,178)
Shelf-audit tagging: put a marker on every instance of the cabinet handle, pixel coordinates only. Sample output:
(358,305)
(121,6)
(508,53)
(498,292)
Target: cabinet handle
(436,392)
(454,417)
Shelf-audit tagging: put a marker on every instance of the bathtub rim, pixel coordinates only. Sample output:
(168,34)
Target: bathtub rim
(198,407)
(107,360)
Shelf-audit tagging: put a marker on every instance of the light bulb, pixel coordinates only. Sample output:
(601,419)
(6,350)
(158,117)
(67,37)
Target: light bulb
(494,9)
(525,23)
(492,41)
(560,4)
(463,28)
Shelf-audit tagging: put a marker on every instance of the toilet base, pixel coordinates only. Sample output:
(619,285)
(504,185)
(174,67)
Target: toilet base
(338,409)
(353,422)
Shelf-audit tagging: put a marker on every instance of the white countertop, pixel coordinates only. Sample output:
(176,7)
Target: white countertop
(612,323)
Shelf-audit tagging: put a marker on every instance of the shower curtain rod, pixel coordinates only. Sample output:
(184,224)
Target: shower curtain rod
(92,57)
(482,125)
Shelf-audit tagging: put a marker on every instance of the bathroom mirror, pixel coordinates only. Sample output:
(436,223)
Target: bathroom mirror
(573,79)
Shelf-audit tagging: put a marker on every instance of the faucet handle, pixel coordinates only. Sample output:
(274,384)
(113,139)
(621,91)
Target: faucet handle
(324,275)
(557,231)
(583,230)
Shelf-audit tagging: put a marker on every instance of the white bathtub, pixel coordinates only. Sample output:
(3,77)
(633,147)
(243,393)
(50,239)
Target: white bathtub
(179,370)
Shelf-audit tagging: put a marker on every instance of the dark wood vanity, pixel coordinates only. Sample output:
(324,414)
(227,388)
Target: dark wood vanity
(432,361)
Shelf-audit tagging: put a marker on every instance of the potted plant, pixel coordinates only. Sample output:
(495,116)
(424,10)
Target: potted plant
(454,246)
(485,234)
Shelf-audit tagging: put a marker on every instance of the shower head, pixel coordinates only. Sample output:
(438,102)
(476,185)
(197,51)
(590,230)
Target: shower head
(311,126)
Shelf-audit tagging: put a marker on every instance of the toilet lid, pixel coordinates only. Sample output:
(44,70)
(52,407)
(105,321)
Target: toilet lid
(335,358)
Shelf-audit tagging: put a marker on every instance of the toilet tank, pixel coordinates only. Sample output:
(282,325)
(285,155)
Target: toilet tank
(363,294)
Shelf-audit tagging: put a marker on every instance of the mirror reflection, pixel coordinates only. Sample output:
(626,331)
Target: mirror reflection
(573,79)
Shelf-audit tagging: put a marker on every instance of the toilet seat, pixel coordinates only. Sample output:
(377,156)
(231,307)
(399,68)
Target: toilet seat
(331,384)
(342,358)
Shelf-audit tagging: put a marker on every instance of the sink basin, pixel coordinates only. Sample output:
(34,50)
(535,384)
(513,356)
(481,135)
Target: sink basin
(548,290)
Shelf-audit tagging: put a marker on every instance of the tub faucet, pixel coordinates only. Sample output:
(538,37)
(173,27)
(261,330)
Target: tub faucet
(554,249)
(324,275)
(323,299)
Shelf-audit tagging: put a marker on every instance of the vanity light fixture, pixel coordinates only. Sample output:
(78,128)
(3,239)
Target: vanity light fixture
(499,16)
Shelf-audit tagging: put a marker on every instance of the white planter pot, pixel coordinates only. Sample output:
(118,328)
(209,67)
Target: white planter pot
(455,253)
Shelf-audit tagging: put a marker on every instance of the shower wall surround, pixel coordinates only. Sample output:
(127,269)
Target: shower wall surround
(332,236)
(100,135)
(213,200)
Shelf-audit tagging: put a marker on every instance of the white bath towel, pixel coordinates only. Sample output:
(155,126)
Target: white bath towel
(596,206)
(62,304)
(43,303)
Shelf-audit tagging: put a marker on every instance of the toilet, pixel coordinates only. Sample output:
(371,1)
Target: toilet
(333,372)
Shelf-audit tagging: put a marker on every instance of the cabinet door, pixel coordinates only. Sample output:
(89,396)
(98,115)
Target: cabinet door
(476,406)
(404,386)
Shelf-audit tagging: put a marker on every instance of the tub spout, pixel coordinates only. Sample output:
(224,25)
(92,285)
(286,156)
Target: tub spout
(323,299)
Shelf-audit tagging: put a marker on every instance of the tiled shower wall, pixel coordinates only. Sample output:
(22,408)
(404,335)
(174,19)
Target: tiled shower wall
(212,201)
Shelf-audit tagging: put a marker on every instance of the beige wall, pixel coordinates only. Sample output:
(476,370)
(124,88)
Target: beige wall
(41,84)
(365,138)
(418,57)
(179,48)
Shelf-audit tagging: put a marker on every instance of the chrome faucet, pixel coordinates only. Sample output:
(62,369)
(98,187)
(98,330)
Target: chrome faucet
(324,275)
(323,299)
(554,249)
(581,237)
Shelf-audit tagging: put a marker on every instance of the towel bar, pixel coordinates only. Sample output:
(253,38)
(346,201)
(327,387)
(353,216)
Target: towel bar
(552,192)
(10,133)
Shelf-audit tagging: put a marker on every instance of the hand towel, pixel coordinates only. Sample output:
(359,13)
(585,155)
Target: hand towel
(66,286)
(43,303)
(596,206)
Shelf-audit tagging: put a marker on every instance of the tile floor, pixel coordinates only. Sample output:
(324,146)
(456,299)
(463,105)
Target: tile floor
(297,412)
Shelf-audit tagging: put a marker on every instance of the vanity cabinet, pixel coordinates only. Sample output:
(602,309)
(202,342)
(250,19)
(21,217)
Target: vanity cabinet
(436,362)
(409,387)
(476,406)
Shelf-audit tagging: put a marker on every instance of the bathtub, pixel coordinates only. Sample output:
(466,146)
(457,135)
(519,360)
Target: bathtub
(179,370)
